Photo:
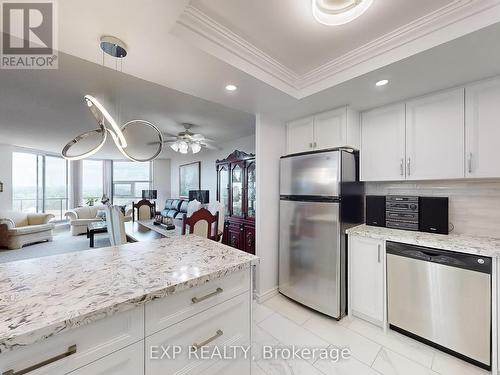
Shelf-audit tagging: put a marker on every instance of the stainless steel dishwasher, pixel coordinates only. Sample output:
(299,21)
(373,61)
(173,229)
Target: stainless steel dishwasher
(442,298)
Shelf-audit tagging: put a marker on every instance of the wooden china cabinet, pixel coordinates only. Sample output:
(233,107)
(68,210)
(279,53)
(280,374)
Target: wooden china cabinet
(236,190)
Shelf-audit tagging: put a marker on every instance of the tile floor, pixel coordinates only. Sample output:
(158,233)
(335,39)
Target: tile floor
(280,321)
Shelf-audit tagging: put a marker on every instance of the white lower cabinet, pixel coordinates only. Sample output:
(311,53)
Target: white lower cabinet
(219,326)
(214,313)
(127,361)
(366,278)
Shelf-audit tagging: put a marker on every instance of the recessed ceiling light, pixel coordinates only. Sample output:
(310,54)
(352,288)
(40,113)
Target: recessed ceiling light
(382,82)
(338,12)
(231,88)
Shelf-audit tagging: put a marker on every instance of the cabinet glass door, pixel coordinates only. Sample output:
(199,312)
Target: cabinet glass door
(224,187)
(251,202)
(237,190)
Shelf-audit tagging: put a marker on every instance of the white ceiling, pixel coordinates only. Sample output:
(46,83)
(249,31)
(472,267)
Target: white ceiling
(45,109)
(287,31)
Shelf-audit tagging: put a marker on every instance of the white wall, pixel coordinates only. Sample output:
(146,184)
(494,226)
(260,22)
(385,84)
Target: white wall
(161,181)
(474,206)
(270,145)
(6,176)
(208,158)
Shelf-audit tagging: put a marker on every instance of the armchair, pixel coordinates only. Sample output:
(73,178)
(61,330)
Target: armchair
(19,228)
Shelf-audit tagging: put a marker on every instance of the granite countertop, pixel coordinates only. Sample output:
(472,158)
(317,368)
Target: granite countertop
(44,296)
(484,246)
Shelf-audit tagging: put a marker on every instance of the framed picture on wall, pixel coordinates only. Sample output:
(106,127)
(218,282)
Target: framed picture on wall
(189,178)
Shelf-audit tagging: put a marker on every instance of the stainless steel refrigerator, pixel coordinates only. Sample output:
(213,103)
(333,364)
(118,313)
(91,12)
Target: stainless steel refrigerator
(320,197)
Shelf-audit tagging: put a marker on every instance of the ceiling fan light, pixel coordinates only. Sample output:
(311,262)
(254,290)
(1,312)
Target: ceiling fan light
(183,147)
(175,146)
(195,147)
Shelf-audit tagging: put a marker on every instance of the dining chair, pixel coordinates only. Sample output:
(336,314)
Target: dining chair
(145,209)
(115,222)
(214,208)
(201,223)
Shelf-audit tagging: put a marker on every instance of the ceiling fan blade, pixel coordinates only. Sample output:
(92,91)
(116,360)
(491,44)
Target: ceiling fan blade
(169,139)
(210,147)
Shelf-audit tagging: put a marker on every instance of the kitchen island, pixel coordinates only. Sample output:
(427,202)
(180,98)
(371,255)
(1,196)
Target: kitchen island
(103,310)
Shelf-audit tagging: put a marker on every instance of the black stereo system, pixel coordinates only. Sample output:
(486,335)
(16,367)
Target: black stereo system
(424,214)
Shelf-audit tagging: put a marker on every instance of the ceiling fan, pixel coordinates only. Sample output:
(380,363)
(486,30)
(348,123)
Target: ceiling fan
(187,140)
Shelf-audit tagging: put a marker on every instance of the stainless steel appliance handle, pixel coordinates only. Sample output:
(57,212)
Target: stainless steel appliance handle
(401,167)
(469,162)
(213,294)
(408,167)
(378,253)
(218,333)
(71,350)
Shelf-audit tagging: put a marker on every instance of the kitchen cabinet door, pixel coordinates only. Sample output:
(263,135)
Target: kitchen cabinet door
(299,135)
(482,129)
(330,129)
(127,361)
(366,278)
(435,136)
(383,144)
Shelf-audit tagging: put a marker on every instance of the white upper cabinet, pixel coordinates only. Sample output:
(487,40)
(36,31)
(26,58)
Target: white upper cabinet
(482,129)
(383,144)
(435,136)
(336,128)
(299,135)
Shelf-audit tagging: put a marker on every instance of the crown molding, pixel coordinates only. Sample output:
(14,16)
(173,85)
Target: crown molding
(220,41)
(421,34)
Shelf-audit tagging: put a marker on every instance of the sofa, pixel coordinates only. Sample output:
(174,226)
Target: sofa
(175,208)
(81,217)
(20,228)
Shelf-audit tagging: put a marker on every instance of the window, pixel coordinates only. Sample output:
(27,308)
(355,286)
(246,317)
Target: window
(25,182)
(129,179)
(92,179)
(39,183)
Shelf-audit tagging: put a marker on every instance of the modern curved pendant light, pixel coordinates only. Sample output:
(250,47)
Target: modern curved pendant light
(107,124)
(338,12)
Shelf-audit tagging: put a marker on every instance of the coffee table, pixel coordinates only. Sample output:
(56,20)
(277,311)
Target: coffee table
(95,227)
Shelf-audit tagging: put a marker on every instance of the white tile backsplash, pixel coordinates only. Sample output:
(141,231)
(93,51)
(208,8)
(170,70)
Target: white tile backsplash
(474,205)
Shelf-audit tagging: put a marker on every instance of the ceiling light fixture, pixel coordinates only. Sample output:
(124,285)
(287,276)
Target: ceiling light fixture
(382,82)
(338,12)
(106,123)
(231,87)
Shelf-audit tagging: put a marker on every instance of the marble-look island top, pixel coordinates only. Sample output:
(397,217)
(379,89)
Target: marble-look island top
(484,246)
(44,296)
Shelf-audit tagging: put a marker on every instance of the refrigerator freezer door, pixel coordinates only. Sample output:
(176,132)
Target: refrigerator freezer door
(311,175)
(310,255)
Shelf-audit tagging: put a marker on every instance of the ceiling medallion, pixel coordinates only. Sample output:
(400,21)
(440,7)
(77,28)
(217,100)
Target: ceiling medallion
(338,12)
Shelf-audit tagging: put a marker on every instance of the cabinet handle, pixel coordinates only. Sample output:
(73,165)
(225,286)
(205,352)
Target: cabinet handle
(401,167)
(378,253)
(469,162)
(218,333)
(210,295)
(315,144)
(310,145)
(71,350)
(408,167)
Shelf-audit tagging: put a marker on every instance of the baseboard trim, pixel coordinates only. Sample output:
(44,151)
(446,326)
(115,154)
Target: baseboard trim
(262,297)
